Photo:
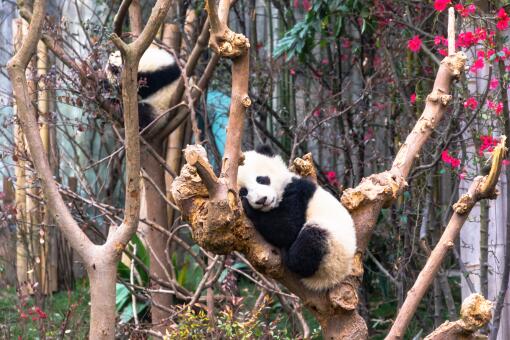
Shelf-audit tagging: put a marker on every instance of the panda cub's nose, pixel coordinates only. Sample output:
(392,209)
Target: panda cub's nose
(262,200)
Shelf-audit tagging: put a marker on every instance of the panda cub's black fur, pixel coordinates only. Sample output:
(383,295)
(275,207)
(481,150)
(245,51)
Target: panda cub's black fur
(313,230)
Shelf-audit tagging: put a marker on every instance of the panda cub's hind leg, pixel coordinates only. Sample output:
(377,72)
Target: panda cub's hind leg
(305,255)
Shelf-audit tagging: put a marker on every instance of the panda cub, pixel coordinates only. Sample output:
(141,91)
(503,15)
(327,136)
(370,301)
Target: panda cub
(158,73)
(312,228)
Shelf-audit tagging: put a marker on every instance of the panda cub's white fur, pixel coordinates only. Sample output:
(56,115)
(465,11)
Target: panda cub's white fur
(314,231)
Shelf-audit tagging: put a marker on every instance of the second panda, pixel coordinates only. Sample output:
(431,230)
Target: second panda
(158,73)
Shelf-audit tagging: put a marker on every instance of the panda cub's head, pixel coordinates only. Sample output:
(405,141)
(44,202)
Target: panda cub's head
(262,178)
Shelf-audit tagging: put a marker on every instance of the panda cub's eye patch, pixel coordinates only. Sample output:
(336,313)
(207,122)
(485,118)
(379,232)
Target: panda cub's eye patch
(265,180)
(243,192)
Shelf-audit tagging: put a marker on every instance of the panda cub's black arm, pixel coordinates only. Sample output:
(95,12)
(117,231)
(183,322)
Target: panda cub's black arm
(281,226)
(267,224)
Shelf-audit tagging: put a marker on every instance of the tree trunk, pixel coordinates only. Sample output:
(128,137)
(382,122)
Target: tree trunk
(102,277)
(154,208)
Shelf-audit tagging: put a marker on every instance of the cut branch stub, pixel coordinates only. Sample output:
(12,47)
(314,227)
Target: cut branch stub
(383,186)
(475,313)
(304,167)
(456,63)
(196,156)
(229,44)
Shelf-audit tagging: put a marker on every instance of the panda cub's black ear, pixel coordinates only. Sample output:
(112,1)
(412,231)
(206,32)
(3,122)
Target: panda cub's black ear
(265,149)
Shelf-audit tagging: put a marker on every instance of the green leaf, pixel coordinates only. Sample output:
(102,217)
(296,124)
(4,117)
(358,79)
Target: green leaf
(127,311)
(122,294)
(338,26)
(123,271)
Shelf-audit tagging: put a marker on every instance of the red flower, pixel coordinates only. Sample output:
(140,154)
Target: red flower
(481,34)
(499,109)
(438,39)
(496,107)
(331,176)
(477,65)
(471,9)
(467,39)
(23,315)
(41,313)
(503,19)
(506,53)
(413,98)
(440,5)
(455,162)
(488,144)
(494,84)
(445,156)
(505,162)
(292,72)
(448,159)
(443,52)
(414,44)
(471,103)
(465,11)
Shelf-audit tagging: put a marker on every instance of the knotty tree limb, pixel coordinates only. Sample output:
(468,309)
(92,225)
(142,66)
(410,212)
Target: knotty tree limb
(212,206)
(481,188)
(475,313)
(100,260)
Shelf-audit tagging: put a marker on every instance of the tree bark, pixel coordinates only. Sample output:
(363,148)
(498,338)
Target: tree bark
(102,273)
